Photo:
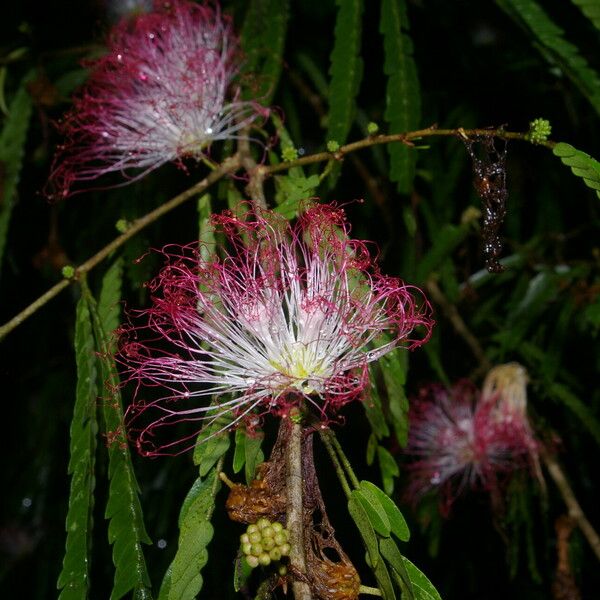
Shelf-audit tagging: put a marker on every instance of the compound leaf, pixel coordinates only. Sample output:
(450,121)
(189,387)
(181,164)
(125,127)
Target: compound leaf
(12,149)
(74,577)
(555,48)
(403,98)
(582,165)
(126,530)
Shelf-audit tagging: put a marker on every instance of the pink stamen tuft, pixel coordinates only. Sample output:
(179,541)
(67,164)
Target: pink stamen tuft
(462,440)
(162,93)
(292,315)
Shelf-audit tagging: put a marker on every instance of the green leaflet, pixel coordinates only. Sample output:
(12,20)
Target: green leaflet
(365,528)
(74,577)
(422,587)
(292,189)
(591,9)
(389,550)
(374,511)
(373,408)
(388,467)
(397,523)
(403,98)
(384,582)
(247,453)
(394,367)
(183,579)
(12,149)
(554,47)
(213,441)
(263,40)
(126,530)
(582,165)
(345,70)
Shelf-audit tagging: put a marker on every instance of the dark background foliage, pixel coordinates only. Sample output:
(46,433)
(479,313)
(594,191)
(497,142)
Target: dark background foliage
(477,67)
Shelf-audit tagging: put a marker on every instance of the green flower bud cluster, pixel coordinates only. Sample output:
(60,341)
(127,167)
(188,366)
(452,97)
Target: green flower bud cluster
(264,542)
(539,130)
(289,153)
(68,272)
(332,146)
(372,128)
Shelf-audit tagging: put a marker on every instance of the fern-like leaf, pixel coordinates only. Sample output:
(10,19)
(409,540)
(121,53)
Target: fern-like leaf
(403,98)
(263,40)
(12,148)
(126,530)
(74,578)
(346,69)
(591,9)
(582,165)
(555,47)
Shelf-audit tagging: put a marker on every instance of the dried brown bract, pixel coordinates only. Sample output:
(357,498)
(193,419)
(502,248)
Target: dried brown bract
(331,574)
(265,496)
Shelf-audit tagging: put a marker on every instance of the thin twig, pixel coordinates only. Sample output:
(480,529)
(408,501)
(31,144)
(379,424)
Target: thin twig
(295,512)
(404,138)
(573,506)
(337,465)
(228,166)
(260,173)
(344,459)
(458,323)
(371,591)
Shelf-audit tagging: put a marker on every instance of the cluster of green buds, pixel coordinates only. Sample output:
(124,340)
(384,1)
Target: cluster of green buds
(539,130)
(264,542)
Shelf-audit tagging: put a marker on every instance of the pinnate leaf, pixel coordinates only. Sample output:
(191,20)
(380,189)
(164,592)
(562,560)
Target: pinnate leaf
(403,99)
(12,149)
(74,577)
(263,40)
(345,70)
(126,530)
(582,165)
(555,48)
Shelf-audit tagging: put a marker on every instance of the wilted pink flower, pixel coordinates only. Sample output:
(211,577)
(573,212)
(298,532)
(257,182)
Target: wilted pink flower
(163,92)
(462,439)
(292,315)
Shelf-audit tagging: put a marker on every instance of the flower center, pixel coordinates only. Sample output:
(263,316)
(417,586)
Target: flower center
(302,364)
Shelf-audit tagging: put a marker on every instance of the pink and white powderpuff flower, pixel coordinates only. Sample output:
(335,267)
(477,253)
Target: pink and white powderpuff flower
(461,439)
(163,92)
(292,315)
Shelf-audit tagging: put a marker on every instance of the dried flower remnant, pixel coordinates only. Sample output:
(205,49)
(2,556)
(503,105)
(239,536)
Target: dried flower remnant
(163,92)
(330,574)
(288,317)
(462,439)
(489,180)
